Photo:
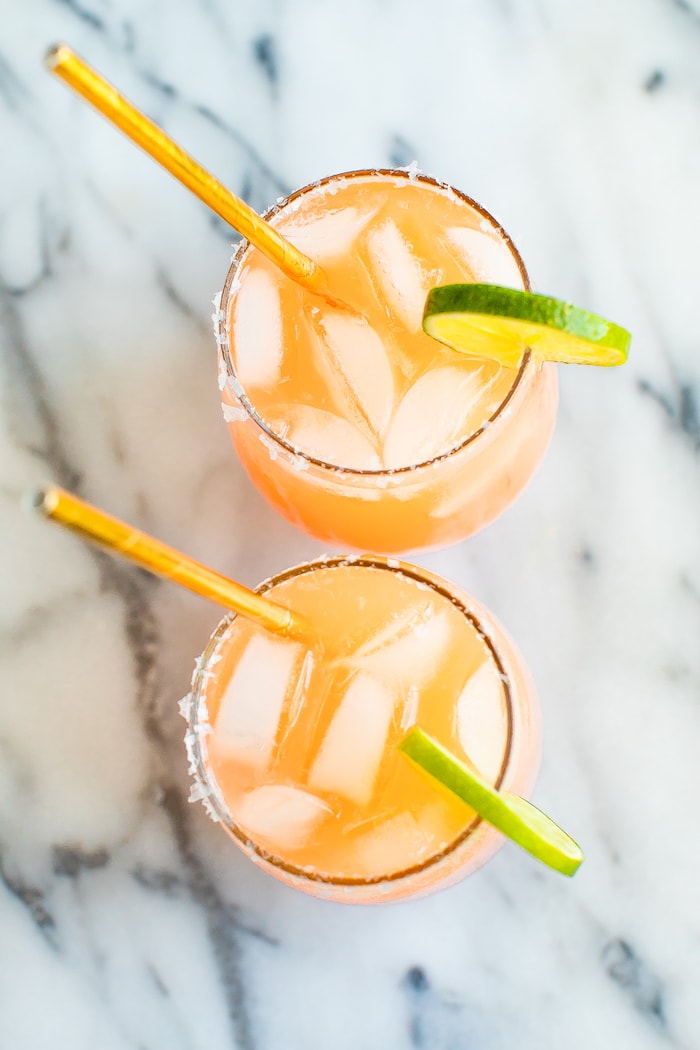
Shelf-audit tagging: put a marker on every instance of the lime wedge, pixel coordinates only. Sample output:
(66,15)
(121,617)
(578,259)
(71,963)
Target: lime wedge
(515,817)
(501,323)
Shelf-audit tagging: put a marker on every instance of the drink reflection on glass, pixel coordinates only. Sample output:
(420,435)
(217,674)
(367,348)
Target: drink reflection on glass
(357,426)
(295,747)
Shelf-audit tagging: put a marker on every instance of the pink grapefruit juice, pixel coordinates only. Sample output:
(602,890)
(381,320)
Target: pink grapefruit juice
(357,426)
(295,745)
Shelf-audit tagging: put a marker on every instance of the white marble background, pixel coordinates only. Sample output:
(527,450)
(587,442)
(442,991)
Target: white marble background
(127,921)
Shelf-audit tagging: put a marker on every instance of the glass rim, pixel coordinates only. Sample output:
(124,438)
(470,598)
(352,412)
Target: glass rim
(200,728)
(222,331)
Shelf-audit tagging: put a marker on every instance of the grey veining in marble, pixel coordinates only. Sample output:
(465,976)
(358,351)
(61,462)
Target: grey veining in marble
(127,920)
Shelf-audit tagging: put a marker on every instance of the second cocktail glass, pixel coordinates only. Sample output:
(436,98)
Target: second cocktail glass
(355,425)
(295,750)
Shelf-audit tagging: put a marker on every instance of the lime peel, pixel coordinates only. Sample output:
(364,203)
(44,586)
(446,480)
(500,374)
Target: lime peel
(514,817)
(490,321)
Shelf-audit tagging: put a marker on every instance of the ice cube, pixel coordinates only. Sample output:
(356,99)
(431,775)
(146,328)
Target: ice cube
(328,437)
(412,654)
(348,760)
(264,679)
(401,623)
(434,414)
(356,366)
(482,720)
(331,235)
(280,817)
(486,255)
(391,845)
(399,278)
(257,331)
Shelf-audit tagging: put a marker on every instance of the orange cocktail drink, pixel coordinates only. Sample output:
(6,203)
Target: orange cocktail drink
(357,426)
(294,743)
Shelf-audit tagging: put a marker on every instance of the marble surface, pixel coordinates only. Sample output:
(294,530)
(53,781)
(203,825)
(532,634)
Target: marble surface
(127,920)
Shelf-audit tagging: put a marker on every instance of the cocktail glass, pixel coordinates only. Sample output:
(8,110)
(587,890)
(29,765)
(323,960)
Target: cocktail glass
(295,751)
(392,443)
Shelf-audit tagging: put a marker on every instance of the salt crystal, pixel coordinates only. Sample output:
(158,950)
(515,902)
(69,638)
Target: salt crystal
(270,446)
(198,791)
(233,414)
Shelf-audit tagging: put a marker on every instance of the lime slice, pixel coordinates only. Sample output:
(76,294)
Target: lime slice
(515,817)
(501,323)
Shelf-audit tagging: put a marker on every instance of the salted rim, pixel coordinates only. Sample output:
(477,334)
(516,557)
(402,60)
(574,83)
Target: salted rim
(229,291)
(200,728)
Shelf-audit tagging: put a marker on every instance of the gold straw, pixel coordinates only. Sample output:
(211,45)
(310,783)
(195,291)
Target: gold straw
(158,558)
(136,126)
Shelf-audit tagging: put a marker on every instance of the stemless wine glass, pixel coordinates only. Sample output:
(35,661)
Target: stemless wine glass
(295,751)
(334,428)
